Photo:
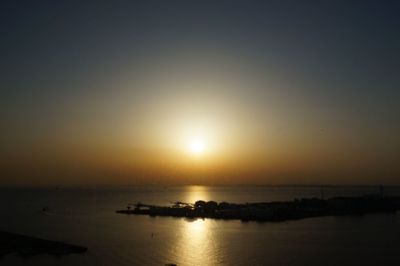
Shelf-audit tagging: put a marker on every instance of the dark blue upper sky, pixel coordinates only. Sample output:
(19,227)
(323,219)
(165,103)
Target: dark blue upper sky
(351,46)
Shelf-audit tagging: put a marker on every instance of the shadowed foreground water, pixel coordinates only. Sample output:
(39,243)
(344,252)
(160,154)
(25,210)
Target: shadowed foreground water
(86,217)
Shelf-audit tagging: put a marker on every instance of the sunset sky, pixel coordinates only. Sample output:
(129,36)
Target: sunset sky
(200,92)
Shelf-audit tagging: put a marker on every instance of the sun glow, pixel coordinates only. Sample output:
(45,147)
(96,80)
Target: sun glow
(197,146)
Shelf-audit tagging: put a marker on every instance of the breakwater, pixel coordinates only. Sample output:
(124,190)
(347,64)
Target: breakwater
(27,246)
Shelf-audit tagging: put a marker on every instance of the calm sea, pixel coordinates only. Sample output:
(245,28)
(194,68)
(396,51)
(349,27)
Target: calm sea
(86,216)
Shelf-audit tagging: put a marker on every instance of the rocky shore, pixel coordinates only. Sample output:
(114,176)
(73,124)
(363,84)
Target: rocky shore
(271,211)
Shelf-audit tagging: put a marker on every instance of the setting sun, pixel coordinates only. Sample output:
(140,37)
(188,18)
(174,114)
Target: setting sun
(197,146)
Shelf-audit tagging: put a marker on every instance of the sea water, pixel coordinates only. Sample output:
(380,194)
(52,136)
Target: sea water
(86,216)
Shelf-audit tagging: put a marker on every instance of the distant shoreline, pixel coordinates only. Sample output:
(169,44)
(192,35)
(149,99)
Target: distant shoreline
(271,211)
(160,185)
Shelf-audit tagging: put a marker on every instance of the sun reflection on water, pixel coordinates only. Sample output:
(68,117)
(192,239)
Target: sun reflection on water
(195,193)
(196,228)
(197,243)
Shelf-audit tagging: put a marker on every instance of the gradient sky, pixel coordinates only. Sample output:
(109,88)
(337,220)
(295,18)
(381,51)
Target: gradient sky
(281,92)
